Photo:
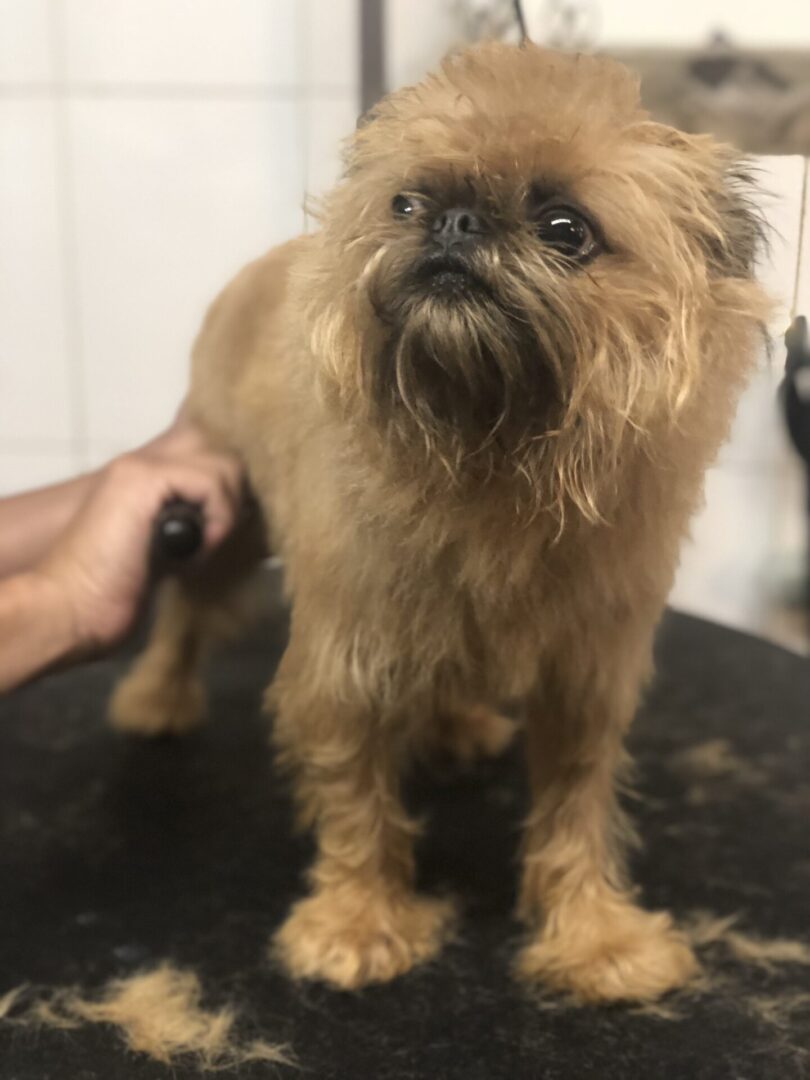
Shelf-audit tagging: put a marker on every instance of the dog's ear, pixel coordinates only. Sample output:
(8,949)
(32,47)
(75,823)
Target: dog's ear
(743,227)
(364,120)
(721,187)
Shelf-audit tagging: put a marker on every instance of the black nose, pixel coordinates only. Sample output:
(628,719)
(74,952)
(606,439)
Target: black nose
(456,226)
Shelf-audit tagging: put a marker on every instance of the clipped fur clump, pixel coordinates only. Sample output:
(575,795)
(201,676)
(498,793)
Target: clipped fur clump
(9,1000)
(715,770)
(158,1013)
(715,759)
(706,930)
(777,1007)
(477,452)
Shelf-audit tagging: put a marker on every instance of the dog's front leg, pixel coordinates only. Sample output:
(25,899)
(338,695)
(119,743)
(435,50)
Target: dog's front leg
(362,922)
(589,938)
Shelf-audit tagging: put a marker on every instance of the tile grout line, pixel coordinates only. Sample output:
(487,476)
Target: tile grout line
(68,243)
(180,91)
(302,29)
(12,447)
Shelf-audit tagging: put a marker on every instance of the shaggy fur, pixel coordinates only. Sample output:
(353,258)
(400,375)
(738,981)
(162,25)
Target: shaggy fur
(157,1012)
(478,488)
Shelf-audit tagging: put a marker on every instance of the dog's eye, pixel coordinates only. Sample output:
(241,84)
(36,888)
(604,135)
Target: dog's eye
(568,232)
(404,205)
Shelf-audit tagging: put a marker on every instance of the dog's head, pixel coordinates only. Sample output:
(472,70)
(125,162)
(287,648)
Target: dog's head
(518,257)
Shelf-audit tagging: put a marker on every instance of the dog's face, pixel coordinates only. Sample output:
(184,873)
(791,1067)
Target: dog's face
(518,256)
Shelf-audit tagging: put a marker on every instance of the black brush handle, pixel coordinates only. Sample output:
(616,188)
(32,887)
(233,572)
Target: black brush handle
(178,533)
(796,386)
(795,394)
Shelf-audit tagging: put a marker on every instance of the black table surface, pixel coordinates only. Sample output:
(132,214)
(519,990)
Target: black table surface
(116,854)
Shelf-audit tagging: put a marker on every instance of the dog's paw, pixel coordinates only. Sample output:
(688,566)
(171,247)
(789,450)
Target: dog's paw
(624,955)
(466,736)
(142,705)
(350,938)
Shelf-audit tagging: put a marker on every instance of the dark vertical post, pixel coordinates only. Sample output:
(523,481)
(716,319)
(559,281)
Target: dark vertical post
(372,53)
(795,394)
(520,19)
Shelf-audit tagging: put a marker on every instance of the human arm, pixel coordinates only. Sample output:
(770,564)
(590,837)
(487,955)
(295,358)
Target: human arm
(84,593)
(31,521)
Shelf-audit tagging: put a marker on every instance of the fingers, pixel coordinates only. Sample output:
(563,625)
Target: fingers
(102,559)
(148,480)
(216,484)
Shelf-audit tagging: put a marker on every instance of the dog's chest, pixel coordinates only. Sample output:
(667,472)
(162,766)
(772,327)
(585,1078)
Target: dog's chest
(481,608)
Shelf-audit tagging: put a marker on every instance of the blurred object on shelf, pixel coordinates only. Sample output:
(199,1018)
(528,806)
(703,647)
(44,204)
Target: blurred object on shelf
(569,24)
(562,24)
(483,19)
(758,100)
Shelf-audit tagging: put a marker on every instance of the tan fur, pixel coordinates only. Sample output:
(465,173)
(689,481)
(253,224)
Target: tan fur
(9,1000)
(706,930)
(157,1012)
(716,759)
(478,501)
(465,735)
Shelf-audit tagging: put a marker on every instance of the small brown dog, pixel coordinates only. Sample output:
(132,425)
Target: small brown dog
(476,408)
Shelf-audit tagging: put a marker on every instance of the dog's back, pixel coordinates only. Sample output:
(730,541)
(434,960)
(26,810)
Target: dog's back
(242,333)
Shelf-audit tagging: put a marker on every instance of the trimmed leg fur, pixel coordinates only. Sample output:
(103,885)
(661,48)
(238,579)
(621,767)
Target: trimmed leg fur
(465,735)
(589,937)
(163,693)
(363,922)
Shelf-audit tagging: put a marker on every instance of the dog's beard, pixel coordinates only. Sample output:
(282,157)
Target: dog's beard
(505,374)
(458,362)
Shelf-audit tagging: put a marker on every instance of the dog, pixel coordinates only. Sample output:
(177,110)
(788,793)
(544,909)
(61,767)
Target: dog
(476,407)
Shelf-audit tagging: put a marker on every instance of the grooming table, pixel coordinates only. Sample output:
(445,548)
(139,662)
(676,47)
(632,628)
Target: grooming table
(116,854)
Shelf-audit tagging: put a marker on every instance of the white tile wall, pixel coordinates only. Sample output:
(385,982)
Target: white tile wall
(171,199)
(417,35)
(37,468)
(222,43)
(148,149)
(720,579)
(25,53)
(333,56)
(327,115)
(34,388)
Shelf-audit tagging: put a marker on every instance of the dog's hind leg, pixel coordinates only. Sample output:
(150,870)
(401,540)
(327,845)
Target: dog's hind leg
(163,693)
(459,735)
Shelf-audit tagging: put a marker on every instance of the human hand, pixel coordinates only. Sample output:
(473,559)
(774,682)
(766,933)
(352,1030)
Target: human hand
(99,567)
